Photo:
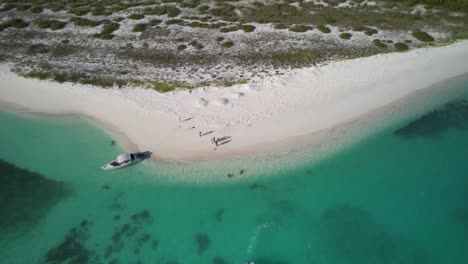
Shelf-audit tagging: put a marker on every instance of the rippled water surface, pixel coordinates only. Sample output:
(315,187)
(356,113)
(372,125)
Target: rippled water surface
(398,197)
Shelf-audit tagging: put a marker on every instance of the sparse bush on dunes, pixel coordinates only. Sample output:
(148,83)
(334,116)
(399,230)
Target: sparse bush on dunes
(378,43)
(247,28)
(136,16)
(229,29)
(172,11)
(345,35)
(323,29)
(7,7)
(401,46)
(300,28)
(203,8)
(36,9)
(371,31)
(79,11)
(15,23)
(154,22)
(50,23)
(423,36)
(23,7)
(181,47)
(227,44)
(218,39)
(140,27)
(174,21)
(108,29)
(84,22)
(280,26)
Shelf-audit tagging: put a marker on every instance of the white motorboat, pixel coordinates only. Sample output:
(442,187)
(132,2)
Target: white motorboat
(126,159)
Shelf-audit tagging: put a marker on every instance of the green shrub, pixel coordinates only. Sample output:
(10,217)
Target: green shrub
(79,11)
(52,24)
(379,44)
(57,7)
(370,32)
(324,29)
(423,36)
(118,19)
(110,27)
(346,35)
(247,28)
(172,11)
(136,16)
(154,22)
(140,27)
(174,21)
(280,26)
(7,7)
(181,47)
(37,9)
(14,22)
(164,87)
(23,7)
(300,28)
(227,44)
(203,8)
(218,39)
(229,29)
(62,50)
(84,22)
(401,46)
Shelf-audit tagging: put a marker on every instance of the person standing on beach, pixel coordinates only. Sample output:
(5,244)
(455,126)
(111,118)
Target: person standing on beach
(199,134)
(216,142)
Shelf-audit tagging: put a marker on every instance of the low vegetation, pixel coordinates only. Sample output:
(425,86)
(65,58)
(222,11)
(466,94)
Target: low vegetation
(14,23)
(346,35)
(423,36)
(50,23)
(378,43)
(401,46)
(323,29)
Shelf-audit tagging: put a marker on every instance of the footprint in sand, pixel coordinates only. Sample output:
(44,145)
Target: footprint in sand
(203,102)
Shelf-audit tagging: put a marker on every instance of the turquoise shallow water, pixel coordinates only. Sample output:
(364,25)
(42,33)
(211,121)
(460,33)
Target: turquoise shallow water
(400,196)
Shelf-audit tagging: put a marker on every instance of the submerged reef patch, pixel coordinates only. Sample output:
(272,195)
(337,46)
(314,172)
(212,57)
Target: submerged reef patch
(203,242)
(353,235)
(453,115)
(26,197)
(72,249)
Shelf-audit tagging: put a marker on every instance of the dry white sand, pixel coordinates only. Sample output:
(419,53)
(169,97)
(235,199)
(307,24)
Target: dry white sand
(265,115)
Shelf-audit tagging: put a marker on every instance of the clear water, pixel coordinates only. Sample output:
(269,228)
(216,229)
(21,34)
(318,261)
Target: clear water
(392,198)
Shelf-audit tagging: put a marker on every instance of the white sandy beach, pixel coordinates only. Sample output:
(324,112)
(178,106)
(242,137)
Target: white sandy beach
(262,116)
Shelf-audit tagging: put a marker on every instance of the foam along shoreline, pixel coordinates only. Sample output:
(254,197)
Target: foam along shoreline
(266,115)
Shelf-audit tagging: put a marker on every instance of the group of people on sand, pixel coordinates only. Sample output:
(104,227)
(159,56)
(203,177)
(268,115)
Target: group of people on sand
(215,140)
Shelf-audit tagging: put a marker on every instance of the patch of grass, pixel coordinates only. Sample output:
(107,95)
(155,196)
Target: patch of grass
(62,50)
(229,29)
(401,47)
(7,7)
(228,82)
(79,11)
(172,11)
(108,29)
(346,35)
(154,22)
(140,27)
(300,28)
(227,44)
(50,23)
(164,87)
(379,44)
(84,22)
(280,26)
(181,47)
(174,21)
(323,29)
(136,16)
(36,9)
(203,8)
(23,7)
(219,39)
(15,23)
(371,31)
(225,12)
(423,36)
(247,28)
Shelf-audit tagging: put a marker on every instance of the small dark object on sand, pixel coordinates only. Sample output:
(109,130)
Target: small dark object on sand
(230,175)
(241,171)
(113,143)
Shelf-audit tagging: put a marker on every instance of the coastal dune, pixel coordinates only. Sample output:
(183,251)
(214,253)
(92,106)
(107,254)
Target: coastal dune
(265,115)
